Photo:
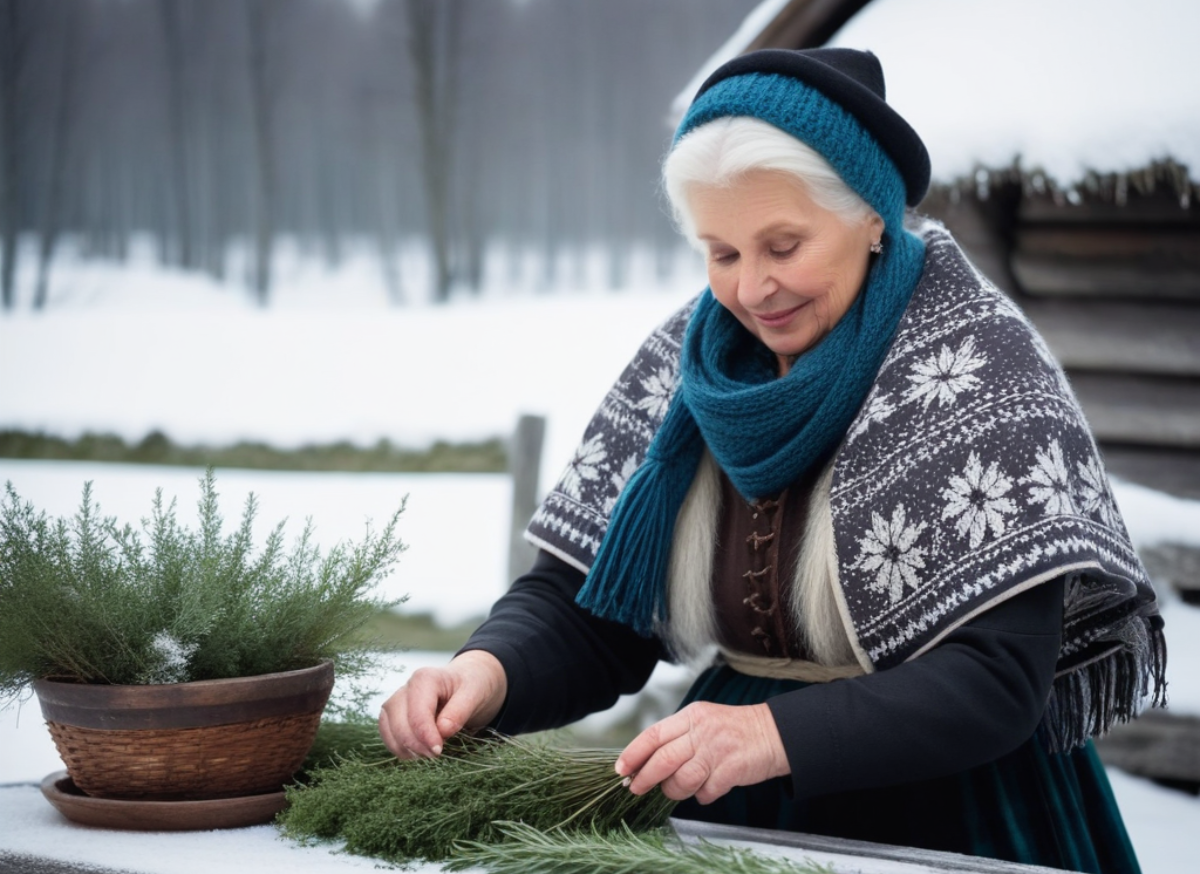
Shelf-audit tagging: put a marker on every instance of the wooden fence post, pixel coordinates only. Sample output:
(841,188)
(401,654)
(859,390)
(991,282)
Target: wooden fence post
(524,460)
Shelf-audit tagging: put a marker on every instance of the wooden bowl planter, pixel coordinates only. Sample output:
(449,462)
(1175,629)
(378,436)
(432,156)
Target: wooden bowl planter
(194,741)
(159,816)
(133,637)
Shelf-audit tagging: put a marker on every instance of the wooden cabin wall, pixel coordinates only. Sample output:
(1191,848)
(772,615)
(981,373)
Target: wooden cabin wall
(1115,289)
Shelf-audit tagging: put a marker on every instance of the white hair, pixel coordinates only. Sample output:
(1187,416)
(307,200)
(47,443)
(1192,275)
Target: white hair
(720,152)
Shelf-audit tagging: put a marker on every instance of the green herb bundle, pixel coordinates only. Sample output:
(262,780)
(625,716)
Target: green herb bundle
(89,600)
(341,736)
(526,850)
(421,809)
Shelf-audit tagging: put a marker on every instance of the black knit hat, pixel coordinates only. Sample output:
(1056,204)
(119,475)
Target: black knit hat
(854,80)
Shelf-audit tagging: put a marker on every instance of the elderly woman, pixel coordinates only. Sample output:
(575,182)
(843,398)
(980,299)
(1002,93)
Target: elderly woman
(848,483)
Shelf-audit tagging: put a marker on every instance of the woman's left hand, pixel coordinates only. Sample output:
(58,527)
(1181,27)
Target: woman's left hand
(705,750)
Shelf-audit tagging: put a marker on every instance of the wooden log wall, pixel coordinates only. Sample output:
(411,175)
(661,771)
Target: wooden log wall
(1115,290)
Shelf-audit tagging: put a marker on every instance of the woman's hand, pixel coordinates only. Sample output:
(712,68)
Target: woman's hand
(705,750)
(439,702)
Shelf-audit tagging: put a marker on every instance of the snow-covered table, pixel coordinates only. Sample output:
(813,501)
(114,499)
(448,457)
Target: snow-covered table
(33,831)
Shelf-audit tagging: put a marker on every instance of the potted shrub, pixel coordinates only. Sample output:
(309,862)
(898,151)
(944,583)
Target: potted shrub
(175,664)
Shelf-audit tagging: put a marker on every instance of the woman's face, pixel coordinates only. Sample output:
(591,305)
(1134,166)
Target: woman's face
(787,268)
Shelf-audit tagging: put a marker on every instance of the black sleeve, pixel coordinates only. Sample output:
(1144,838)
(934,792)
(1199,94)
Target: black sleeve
(561,662)
(977,695)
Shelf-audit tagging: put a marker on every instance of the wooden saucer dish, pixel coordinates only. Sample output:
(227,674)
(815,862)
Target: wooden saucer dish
(215,813)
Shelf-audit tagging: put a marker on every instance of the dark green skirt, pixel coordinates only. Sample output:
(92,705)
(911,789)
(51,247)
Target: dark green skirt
(1029,806)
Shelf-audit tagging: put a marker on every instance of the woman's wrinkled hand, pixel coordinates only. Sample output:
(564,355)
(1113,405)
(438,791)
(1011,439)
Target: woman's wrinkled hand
(705,750)
(439,702)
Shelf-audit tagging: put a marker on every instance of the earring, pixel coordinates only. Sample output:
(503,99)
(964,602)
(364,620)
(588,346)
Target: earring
(877,247)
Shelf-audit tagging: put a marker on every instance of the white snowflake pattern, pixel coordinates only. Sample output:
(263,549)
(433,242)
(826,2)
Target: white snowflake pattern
(1094,497)
(878,408)
(618,480)
(584,467)
(890,550)
(944,376)
(977,501)
(659,388)
(1049,481)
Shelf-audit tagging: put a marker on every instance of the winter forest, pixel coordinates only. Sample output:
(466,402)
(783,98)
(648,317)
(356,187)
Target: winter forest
(219,128)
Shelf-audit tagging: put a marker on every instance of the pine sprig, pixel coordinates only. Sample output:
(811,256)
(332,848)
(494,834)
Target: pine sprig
(89,600)
(346,735)
(523,849)
(420,809)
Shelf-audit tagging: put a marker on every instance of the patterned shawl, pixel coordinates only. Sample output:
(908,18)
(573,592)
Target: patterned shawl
(968,476)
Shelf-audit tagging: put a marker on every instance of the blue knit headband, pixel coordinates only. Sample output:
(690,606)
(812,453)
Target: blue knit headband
(820,123)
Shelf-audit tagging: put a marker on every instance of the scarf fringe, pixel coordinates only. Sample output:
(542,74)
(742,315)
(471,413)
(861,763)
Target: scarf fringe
(626,581)
(1090,699)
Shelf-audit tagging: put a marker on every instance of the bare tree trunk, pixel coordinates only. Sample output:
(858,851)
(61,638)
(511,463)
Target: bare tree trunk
(328,219)
(177,102)
(386,234)
(61,145)
(12,58)
(433,35)
(257,23)
(473,241)
(210,142)
(379,208)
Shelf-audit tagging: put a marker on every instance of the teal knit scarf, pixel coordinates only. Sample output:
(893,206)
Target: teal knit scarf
(763,430)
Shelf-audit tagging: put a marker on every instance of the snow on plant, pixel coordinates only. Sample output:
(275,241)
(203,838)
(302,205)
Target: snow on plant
(172,656)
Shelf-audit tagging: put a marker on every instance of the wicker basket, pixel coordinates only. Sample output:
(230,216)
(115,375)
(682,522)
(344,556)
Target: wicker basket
(186,741)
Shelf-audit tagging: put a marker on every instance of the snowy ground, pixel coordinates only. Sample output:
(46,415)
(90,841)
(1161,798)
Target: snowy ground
(134,349)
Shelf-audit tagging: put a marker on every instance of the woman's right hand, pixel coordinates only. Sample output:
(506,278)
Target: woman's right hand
(439,702)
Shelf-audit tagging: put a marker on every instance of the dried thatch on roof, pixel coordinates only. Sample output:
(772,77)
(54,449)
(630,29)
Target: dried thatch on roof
(1095,186)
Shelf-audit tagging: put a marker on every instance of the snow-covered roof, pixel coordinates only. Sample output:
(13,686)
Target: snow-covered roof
(1064,85)
(751,26)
